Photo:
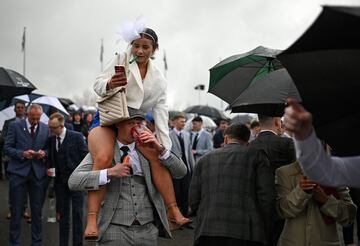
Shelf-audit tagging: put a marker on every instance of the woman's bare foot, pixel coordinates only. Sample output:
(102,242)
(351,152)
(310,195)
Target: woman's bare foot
(176,216)
(91,230)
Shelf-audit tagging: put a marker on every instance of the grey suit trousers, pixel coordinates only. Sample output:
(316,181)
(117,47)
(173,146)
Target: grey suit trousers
(134,235)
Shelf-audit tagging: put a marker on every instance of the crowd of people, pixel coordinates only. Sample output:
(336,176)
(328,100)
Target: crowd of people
(232,181)
(254,184)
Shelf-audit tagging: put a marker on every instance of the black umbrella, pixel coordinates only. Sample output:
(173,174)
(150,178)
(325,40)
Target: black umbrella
(268,95)
(206,110)
(242,118)
(324,63)
(12,84)
(232,76)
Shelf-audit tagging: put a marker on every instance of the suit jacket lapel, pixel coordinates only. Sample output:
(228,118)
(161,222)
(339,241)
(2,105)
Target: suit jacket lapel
(177,142)
(117,155)
(25,129)
(66,139)
(134,69)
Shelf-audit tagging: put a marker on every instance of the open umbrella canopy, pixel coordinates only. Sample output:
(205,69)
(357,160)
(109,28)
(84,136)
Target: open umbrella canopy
(209,111)
(233,75)
(268,95)
(47,103)
(324,64)
(12,84)
(243,118)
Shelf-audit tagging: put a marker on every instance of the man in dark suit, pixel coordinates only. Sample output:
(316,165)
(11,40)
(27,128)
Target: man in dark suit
(25,144)
(218,137)
(181,146)
(280,151)
(232,192)
(19,110)
(66,150)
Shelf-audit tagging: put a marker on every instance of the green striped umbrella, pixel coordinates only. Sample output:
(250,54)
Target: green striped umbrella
(230,77)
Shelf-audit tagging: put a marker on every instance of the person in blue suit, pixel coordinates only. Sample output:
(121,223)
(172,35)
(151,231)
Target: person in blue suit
(67,148)
(25,144)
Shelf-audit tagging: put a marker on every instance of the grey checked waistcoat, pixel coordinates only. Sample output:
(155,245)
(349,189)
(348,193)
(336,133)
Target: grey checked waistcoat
(133,203)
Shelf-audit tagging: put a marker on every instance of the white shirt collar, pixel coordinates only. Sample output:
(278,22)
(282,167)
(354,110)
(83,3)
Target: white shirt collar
(62,135)
(130,146)
(28,124)
(199,132)
(268,131)
(177,131)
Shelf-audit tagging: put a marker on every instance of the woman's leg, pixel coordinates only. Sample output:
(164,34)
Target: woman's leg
(163,182)
(101,146)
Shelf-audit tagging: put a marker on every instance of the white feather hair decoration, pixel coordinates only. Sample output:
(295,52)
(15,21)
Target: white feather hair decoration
(131,30)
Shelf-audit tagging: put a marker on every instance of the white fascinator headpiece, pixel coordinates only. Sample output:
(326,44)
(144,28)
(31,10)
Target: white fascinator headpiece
(130,31)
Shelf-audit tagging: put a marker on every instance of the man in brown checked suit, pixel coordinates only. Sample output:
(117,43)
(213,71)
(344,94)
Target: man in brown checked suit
(132,210)
(231,193)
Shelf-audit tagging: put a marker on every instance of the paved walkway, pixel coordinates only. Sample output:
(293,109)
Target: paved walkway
(50,230)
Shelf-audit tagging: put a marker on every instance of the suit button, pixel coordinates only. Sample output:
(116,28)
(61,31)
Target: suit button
(135,204)
(133,194)
(133,186)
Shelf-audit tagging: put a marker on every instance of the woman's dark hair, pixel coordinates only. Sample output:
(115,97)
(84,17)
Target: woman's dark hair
(151,34)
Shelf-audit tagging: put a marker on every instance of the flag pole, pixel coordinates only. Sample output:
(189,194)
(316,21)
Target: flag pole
(102,55)
(23,49)
(165,64)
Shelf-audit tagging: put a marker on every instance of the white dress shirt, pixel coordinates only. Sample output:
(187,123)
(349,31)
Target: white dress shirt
(28,125)
(327,170)
(178,132)
(134,161)
(62,136)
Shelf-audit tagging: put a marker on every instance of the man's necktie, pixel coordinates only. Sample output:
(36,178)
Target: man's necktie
(58,142)
(195,141)
(32,131)
(125,151)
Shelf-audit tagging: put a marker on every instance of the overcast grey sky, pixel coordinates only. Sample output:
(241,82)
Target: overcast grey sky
(63,38)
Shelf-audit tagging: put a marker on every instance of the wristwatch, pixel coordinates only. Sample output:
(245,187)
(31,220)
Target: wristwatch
(162,150)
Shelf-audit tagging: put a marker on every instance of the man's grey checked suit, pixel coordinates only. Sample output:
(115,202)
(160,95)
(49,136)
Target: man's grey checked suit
(181,186)
(204,143)
(176,148)
(120,205)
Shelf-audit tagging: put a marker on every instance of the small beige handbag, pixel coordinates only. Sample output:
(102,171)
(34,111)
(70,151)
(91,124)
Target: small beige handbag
(113,108)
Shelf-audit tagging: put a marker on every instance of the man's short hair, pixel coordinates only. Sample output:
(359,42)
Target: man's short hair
(197,119)
(254,124)
(58,116)
(227,121)
(20,102)
(34,106)
(238,131)
(265,120)
(178,116)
